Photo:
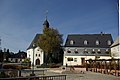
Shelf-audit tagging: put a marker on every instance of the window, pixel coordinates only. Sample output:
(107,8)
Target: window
(38,50)
(75,59)
(76,51)
(71,42)
(107,51)
(85,42)
(70,59)
(97,42)
(85,51)
(109,42)
(99,51)
(93,51)
(68,51)
(36,54)
(39,55)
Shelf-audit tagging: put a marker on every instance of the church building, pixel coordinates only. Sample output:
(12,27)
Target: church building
(34,52)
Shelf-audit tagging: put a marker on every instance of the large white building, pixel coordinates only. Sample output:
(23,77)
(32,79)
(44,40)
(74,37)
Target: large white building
(115,48)
(81,47)
(34,52)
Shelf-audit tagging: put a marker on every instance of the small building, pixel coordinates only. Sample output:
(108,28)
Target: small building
(81,47)
(115,48)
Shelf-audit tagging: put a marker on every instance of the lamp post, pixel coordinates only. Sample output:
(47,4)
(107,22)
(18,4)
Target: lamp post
(33,61)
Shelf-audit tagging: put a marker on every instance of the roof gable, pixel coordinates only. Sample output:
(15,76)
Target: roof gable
(35,40)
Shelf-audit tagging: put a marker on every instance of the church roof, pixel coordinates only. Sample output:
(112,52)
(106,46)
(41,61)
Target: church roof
(35,40)
(78,40)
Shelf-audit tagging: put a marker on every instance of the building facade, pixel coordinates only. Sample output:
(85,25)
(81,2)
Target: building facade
(81,47)
(115,48)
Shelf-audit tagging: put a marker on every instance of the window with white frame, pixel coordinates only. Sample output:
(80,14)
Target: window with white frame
(85,42)
(97,42)
(109,42)
(71,42)
(75,59)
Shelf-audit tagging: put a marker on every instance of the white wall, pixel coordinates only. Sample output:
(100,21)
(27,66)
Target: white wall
(79,62)
(37,51)
(115,51)
(65,61)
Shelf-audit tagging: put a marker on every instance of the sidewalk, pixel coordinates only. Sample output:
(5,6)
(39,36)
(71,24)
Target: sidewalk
(79,76)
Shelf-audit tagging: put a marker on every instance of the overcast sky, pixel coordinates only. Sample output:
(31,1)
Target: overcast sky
(21,20)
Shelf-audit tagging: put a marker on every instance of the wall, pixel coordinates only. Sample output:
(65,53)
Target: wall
(115,51)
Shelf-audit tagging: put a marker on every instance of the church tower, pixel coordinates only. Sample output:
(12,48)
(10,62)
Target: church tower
(46,24)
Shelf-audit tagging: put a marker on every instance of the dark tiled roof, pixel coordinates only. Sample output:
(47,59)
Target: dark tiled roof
(91,38)
(19,55)
(35,40)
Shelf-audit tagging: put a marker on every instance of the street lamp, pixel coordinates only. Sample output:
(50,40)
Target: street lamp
(33,61)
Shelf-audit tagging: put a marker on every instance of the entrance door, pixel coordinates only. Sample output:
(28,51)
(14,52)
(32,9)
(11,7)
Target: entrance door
(83,61)
(37,62)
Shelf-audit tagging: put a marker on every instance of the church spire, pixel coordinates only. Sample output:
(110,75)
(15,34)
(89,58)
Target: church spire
(46,23)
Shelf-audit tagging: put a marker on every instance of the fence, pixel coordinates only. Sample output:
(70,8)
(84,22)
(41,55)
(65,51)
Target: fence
(55,77)
(109,66)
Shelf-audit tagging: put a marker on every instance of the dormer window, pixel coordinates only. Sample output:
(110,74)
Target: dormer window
(97,42)
(109,42)
(85,42)
(71,42)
